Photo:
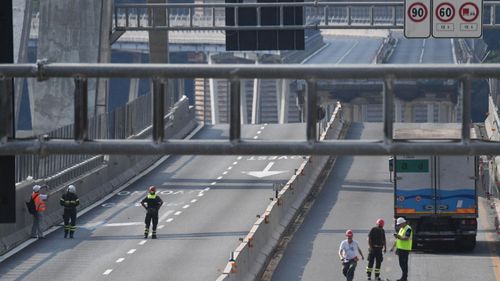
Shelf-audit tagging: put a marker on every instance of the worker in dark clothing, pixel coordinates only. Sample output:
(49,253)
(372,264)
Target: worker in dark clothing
(69,200)
(152,204)
(376,244)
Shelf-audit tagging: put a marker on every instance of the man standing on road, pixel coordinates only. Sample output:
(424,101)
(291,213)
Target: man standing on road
(376,244)
(38,198)
(69,200)
(152,204)
(348,251)
(403,244)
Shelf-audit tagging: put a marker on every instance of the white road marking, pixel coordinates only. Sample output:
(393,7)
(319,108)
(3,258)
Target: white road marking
(123,223)
(259,132)
(165,215)
(235,162)
(161,226)
(143,242)
(347,53)
(200,194)
(207,189)
(107,272)
(256,137)
(265,173)
(185,206)
(213,183)
(178,213)
(239,158)
(131,251)
(262,128)
(120,260)
(230,167)
(422,52)
(219,177)
(225,173)
(170,219)
(194,200)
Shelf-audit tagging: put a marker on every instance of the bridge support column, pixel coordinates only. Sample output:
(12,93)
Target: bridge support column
(408,114)
(243,102)
(282,94)
(214,97)
(52,105)
(133,92)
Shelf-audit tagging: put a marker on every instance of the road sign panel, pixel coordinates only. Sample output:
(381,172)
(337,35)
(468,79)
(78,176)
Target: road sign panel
(417,18)
(457,18)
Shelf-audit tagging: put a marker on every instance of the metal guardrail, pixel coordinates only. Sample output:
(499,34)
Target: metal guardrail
(317,15)
(82,144)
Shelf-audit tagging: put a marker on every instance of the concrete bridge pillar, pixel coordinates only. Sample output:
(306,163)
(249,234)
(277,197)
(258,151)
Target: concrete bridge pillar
(70,31)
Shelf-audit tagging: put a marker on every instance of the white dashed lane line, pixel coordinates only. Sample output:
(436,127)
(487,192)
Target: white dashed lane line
(259,132)
(239,158)
(160,226)
(107,272)
(207,189)
(200,194)
(177,213)
(225,172)
(120,260)
(220,177)
(194,200)
(256,137)
(170,219)
(185,206)
(143,242)
(131,251)
(230,167)
(235,162)
(213,183)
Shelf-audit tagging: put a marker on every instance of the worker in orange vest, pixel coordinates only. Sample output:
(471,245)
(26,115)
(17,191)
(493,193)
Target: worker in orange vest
(39,199)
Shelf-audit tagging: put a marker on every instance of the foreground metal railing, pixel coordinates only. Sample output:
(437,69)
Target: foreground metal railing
(316,15)
(235,145)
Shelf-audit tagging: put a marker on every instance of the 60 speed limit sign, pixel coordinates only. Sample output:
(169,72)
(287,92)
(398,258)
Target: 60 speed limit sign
(417,18)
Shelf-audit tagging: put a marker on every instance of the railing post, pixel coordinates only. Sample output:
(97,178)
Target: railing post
(312,114)
(235,112)
(388,96)
(80,129)
(466,110)
(158,110)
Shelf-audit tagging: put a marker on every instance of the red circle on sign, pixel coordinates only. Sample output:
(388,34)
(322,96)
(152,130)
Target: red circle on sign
(445,5)
(401,198)
(462,11)
(418,198)
(417,5)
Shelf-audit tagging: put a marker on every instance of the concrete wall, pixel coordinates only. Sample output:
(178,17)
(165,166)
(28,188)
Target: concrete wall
(91,187)
(252,254)
(69,32)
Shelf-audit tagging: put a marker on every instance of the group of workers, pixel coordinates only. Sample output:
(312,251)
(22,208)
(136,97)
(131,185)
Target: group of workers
(69,200)
(349,249)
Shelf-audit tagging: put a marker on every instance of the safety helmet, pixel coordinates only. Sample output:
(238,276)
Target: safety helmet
(36,188)
(71,188)
(152,189)
(400,220)
(348,233)
(380,222)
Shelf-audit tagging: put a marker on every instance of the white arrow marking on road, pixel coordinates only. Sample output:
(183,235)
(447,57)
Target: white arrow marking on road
(265,172)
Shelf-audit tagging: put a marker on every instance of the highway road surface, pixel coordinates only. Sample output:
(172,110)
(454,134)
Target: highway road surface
(356,193)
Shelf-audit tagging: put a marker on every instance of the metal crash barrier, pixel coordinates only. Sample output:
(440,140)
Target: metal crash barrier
(234,145)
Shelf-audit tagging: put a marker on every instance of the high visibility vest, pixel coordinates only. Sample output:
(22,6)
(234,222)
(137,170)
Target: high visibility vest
(39,204)
(404,244)
(151,196)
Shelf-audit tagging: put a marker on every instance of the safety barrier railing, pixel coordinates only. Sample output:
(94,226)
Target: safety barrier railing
(121,123)
(316,14)
(234,145)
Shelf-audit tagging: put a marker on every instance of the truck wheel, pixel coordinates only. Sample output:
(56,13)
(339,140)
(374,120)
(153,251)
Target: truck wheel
(467,243)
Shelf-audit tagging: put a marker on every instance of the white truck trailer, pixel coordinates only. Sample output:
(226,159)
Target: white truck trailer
(436,194)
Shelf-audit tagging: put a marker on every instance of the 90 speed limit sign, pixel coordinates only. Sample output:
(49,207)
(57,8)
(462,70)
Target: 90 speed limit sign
(417,18)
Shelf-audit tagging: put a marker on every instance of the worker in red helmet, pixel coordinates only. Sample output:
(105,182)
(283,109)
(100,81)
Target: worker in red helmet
(376,244)
(152,204)
(348,253)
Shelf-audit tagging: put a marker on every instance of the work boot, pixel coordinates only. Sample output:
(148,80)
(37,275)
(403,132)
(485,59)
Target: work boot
(154,236)
(71,235)
(368,278)
(65,234)
(378,278)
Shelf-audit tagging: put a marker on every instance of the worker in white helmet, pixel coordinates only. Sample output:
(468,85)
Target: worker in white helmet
(37,201)
(403,244)
(69,200)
